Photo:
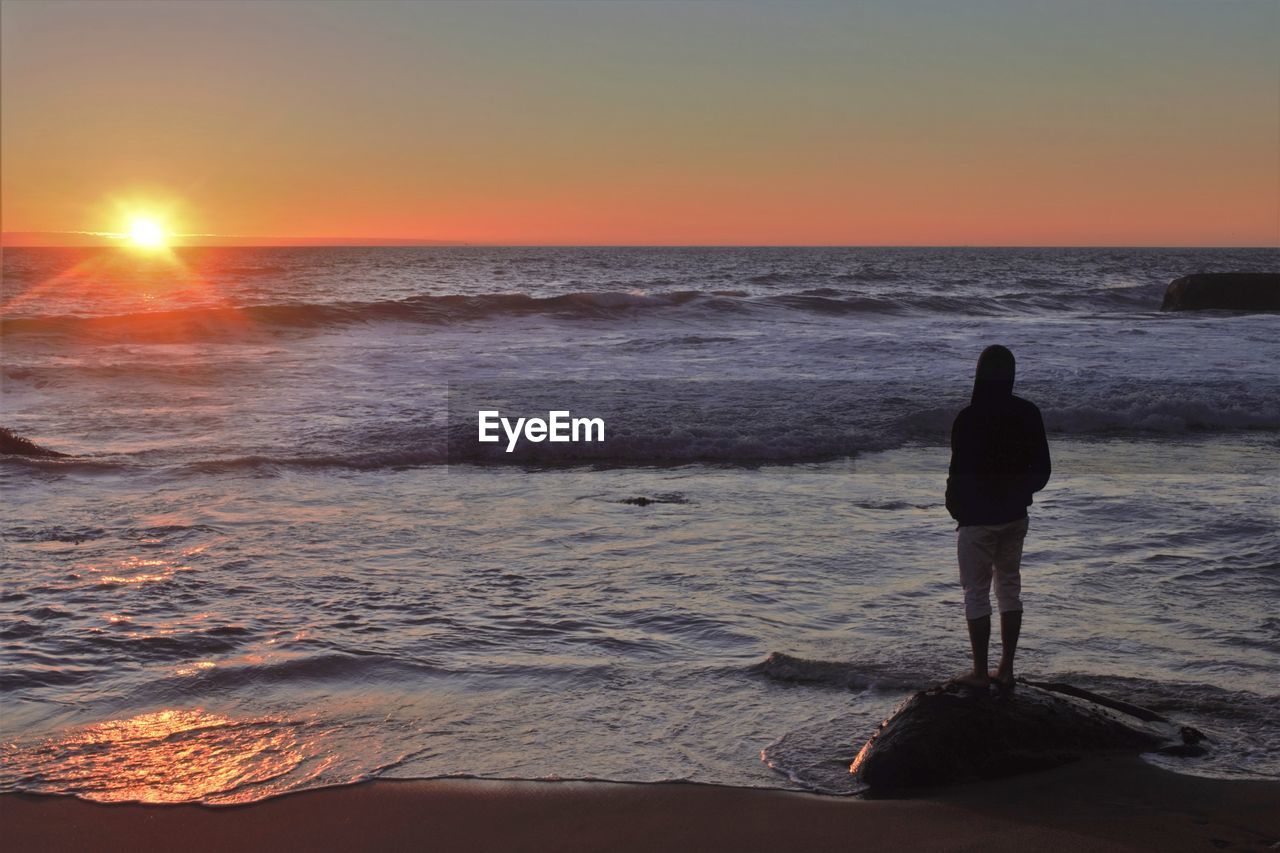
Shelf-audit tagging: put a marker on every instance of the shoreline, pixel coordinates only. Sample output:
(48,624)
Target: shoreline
(1103,804)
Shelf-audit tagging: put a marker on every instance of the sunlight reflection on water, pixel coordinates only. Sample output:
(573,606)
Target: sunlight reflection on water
(136,570)
(167,756)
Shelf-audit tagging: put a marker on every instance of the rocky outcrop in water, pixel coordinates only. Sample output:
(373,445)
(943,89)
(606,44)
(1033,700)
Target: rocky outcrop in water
(16,445)
(950,734)
(1237,291)
(669,498)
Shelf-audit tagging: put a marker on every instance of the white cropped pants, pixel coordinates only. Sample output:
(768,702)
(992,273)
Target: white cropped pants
(991,552)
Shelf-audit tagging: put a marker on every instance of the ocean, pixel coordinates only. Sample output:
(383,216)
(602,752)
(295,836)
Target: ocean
(274,560)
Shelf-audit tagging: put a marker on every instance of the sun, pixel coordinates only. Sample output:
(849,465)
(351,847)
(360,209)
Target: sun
(147,233)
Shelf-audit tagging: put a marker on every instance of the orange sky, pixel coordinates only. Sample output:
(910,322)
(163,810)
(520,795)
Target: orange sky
(976,122)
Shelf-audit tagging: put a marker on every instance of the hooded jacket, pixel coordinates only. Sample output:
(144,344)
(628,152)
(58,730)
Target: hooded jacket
(999,454)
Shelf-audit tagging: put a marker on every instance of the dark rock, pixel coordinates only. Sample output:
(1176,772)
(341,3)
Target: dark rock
(669,498)
(951,734)
(16,445)
(1236,291)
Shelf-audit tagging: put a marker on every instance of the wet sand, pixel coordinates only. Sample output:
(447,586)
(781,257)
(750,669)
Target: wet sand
(1104,805)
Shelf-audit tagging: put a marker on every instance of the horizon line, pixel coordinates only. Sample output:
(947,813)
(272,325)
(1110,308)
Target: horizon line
(19,240)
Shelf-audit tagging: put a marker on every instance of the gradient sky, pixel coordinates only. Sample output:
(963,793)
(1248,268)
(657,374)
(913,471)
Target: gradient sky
(1006,122)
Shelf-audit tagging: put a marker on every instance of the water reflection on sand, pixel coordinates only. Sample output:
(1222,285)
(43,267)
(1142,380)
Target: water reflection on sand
(168,756)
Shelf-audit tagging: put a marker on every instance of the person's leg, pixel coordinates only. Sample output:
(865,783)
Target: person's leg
(1008,583)
(975,549)
(1010,628)
(979,642)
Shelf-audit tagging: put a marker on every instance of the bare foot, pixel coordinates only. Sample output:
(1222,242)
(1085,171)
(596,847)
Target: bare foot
(1003,678)
(975,680)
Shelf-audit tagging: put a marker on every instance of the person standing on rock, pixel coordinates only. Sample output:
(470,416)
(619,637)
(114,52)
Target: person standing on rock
(999,459)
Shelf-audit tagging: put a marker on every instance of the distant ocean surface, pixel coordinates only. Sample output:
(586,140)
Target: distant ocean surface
(262,570)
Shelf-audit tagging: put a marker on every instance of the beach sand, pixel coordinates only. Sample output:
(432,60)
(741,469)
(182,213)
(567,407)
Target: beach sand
(1104,805)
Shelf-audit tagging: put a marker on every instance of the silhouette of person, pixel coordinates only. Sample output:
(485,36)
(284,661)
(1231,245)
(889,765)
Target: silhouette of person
(999,459)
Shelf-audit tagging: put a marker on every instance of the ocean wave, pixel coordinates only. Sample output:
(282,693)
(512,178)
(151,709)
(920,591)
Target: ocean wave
(150,648)
(843,675)
(327,667)
(67,465)
(657,450)
(53,675)
(892,506)
(1167,409)
(1206,704)
(1155,415)
(817,757)
(374,460)
(54,533)
(650,440)
(165,532)
(231,322)
(34,670)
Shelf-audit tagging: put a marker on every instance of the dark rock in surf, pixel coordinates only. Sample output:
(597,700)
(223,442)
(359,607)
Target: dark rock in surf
(950,734)
(672,498)
(1235,291)
(16,445)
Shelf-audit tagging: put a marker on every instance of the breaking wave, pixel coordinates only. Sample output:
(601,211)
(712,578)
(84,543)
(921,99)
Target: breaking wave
(666,424)
(231,321)
(837,674)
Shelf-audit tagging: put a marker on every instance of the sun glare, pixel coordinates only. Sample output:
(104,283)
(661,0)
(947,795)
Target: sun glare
(146,234)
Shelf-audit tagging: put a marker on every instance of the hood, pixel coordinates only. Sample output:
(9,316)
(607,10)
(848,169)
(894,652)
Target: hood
(993,380)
